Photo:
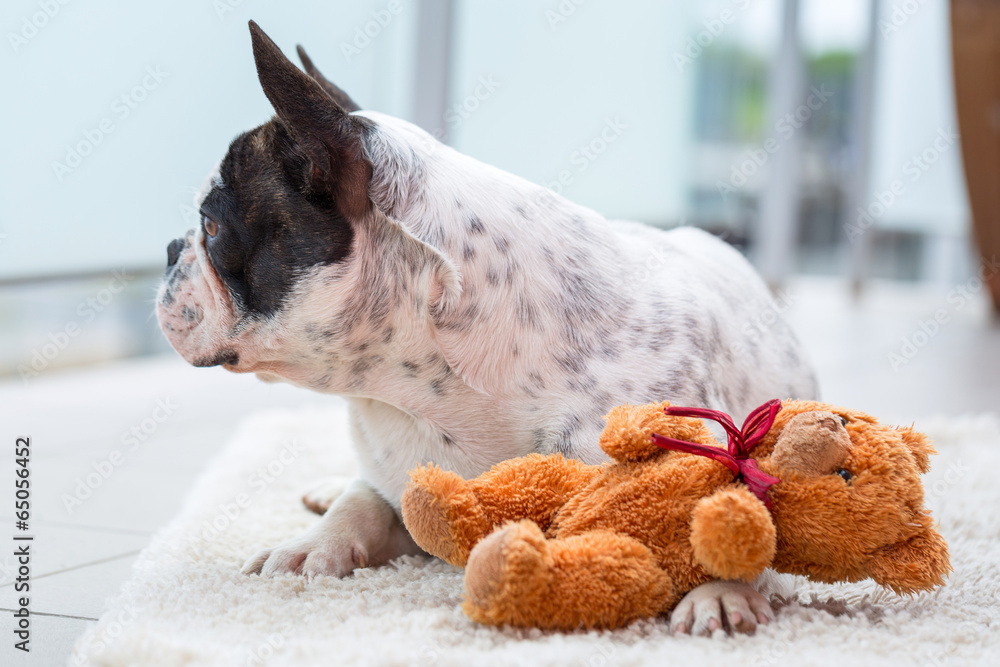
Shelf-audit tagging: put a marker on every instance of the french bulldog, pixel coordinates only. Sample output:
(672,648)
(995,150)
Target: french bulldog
(467,315)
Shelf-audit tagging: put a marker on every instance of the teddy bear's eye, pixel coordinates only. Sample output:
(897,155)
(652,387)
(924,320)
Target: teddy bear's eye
(844,474)
(843,420)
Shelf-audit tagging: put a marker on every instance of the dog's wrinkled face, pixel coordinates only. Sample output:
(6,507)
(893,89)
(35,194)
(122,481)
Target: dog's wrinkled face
(263,226)
(280,206)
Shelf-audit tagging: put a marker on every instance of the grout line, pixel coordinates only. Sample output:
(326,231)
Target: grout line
(42,613)
(81,565)
(82,526)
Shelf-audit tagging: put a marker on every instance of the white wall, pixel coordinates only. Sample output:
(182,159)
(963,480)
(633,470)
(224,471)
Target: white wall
(562,77)
(914,106)
(124,202)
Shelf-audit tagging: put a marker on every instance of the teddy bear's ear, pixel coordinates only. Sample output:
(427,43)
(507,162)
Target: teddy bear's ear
(920,446)
(918,564)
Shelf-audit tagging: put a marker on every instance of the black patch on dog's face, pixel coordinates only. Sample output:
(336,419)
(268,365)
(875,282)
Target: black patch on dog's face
(272,224)
(288,191)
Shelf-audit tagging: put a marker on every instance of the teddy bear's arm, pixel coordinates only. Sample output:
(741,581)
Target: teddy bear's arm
(447,515)
(627,435)
(732,534)
(599,579)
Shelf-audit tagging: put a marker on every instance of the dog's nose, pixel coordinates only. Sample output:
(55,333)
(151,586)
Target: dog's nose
(174,251)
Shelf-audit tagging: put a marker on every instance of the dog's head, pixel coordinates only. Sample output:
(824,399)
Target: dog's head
(285,265)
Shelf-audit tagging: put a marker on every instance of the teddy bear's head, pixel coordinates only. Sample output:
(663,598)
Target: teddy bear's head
(850,502)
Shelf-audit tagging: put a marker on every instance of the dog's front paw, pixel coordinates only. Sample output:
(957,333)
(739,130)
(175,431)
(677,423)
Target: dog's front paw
(733,605)
(310,555)
(359,530)
(320,497)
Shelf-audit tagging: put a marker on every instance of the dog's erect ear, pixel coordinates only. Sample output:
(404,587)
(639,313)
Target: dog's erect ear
(330,138)
(338,95)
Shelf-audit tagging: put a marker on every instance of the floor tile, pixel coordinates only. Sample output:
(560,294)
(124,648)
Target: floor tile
(81,592)
(850,341)
(130,499)
(57,548)
(52,639)
(77,419)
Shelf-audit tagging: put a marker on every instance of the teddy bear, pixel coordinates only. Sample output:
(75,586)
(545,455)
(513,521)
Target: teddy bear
(804,488)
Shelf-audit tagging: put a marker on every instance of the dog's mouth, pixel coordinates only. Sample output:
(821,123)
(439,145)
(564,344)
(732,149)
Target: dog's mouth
(194,308)
(224,358)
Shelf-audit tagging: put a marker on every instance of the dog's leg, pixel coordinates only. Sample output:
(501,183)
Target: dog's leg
(320,497)
(733,605)
(359,530)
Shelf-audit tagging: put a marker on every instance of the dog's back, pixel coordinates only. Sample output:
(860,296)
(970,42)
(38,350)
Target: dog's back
(563,314)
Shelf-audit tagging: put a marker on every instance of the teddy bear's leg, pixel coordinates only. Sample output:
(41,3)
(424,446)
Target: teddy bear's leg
(447,515)
(532,487)
(442,514)
(598,579)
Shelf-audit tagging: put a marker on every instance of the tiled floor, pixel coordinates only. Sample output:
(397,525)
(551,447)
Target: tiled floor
(83,551)
(84,548)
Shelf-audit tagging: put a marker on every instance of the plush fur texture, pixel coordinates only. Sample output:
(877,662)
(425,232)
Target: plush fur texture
(185,602)
(469,315)
(601,546)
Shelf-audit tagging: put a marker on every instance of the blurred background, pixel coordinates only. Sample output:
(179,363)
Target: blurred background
(851,149)
(821,138)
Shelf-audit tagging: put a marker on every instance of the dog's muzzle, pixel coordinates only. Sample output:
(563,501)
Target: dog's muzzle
(174,249)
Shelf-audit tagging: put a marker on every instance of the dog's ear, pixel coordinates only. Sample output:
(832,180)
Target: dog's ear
(329,137)
(338,95)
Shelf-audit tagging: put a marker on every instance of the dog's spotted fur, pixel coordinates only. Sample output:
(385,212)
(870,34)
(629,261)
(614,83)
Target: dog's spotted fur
(468,315)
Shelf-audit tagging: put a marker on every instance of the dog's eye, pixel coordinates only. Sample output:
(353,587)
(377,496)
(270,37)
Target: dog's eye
(211,226)
(844,475)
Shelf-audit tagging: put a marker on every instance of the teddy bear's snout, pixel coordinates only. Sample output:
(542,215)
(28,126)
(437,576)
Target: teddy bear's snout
(831,423)
(812,443)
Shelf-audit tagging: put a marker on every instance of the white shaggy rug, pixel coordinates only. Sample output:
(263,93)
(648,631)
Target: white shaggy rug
(187,604)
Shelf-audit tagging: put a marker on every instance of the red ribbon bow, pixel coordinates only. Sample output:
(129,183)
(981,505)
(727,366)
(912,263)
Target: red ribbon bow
(741,441)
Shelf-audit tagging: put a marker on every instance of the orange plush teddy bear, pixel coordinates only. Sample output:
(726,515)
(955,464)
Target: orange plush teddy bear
(550,542)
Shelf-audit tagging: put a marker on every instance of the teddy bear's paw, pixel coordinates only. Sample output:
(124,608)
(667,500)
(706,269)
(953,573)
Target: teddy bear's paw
(442,514)
(732,534)
(734,606)
(627,434)
(505,571)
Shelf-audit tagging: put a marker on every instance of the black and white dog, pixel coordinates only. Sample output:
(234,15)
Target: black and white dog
(467,315)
